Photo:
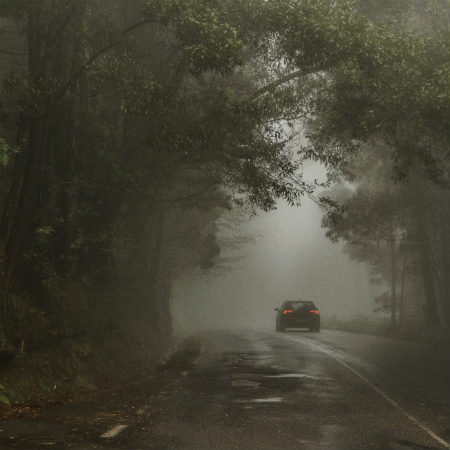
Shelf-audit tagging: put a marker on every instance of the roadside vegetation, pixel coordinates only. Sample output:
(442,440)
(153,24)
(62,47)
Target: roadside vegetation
(380,326)
(127,129)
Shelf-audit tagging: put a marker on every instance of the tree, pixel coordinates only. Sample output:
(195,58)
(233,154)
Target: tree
(389,225)
(121,120)
(396,94)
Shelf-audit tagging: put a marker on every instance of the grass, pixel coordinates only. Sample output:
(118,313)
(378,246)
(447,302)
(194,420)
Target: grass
(412,330)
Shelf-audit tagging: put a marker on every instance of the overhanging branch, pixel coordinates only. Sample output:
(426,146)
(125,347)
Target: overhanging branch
(278,82)
(190,196)
(95,56)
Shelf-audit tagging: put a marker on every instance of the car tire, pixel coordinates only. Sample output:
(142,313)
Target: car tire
(279,328)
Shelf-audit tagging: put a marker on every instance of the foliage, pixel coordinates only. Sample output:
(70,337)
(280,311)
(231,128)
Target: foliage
(396,93)
(129,128)
(3,395)
(397,229)
(360,324)
(4,152)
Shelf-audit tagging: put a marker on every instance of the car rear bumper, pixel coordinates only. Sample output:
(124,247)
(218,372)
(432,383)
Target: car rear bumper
(299,323)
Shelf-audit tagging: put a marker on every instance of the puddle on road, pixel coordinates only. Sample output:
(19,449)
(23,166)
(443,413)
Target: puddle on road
(263,400)
(296,375)
(245,375)
(245,383)
(250,375)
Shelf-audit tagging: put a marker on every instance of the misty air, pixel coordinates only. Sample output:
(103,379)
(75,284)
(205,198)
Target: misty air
(224,224)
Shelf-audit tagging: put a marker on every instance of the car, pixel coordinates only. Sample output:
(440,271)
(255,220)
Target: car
(297,314)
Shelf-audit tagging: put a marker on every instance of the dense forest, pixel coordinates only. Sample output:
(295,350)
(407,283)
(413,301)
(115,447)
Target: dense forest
(128,128)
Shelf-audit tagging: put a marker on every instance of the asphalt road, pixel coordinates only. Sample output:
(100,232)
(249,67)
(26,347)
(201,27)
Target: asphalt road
(266,390)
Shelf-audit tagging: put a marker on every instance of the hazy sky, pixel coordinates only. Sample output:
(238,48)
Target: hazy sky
(290,258)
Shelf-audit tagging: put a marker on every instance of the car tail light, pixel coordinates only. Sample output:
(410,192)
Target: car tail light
(287,311)
(314,311)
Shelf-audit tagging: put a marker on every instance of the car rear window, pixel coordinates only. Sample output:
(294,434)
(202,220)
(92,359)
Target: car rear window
(297,306)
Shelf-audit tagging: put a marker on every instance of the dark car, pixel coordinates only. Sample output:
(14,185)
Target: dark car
(297,314)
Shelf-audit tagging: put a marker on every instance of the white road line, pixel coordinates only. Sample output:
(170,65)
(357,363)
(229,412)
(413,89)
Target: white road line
(114,431)
(392,402)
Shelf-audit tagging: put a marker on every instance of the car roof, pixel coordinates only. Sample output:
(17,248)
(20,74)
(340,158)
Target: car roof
(297,301)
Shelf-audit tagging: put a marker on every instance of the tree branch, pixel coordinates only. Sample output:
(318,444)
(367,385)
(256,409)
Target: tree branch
(274,84)
(192,195)
(94,57)
(11,53)
(56,38)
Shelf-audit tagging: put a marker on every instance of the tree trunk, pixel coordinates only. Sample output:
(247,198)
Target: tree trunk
(52,44)
(401,300)
(393,283)
(29,196)
(12,200)
(430,308)
(19,213)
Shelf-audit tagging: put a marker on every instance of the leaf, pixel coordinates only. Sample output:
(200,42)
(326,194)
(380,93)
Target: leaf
(4,399)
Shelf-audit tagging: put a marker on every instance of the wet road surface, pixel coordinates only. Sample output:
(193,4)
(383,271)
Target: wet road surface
(266,390)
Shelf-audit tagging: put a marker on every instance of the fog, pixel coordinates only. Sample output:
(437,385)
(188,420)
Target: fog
(289,257)
(141,143)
